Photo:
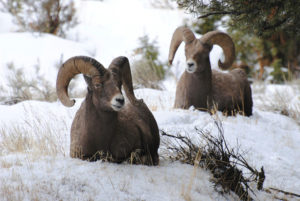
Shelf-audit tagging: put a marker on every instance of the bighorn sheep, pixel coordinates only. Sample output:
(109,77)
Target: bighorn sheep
(104,123)
(204,88)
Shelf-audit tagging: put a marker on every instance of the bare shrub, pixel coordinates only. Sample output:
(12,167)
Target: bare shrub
(22,88)
(46,16)
(223,162)
(147,71)
(145,74)
(35,87)
(162,4)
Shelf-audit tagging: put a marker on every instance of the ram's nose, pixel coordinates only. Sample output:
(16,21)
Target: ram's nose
(117,102)
(190,66)
(120,100)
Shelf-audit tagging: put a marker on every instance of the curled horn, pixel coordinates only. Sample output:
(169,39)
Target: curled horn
(224,41)
(120,67)
(73,66)
(180,34)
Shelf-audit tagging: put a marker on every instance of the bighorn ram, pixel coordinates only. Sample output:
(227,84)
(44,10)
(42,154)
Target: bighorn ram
(104,123)
(203,87)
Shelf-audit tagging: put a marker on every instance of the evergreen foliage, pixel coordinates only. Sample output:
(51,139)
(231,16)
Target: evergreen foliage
(205,25)
(148,70)
(258,17)
(264,32)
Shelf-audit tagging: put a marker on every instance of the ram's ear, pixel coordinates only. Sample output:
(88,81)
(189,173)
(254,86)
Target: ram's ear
(120,68)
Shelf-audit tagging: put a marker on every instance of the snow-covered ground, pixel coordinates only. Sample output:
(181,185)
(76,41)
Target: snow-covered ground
(34,136)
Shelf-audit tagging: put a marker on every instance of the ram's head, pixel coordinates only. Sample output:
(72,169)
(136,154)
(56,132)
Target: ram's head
(197,50)
(104,85)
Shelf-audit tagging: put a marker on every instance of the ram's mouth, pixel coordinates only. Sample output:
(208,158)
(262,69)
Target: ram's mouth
(117,107)
(190,66)
(190,70)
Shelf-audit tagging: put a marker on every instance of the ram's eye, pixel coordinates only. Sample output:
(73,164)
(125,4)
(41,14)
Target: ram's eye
(97,86)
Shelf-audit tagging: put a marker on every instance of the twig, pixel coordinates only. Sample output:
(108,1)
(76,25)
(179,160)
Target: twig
(220,13)
(284,192)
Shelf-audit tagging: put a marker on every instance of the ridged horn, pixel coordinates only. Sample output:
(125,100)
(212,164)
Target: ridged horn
(225,42)
(121,67)
(73,66)
(180,34)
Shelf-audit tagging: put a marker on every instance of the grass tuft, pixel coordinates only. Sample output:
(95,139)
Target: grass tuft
(35,137)
(280,101)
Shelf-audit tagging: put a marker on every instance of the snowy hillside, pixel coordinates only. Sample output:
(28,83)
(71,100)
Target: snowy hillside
(34,135)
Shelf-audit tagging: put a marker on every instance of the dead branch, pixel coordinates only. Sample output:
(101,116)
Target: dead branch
(221,160)
(284,192)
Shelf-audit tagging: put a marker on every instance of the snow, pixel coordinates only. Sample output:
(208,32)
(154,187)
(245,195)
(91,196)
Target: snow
(5,26)
(110,181)
(128,20)
(40,167)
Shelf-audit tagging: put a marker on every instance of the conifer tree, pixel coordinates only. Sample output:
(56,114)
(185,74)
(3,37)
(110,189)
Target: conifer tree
(273,26)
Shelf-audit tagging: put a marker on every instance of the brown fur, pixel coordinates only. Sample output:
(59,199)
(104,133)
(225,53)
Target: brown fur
(97,128)
(237,98)
(206,89)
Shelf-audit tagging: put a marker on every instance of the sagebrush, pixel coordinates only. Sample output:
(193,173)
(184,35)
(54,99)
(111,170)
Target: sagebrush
(147,71)
(45,16)
(21,86)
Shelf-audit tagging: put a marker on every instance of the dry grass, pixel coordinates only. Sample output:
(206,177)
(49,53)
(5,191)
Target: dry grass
(19,140)
(187,192)
(22,144)
(35,137)
(18,189)
(279,101)
(158,104)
